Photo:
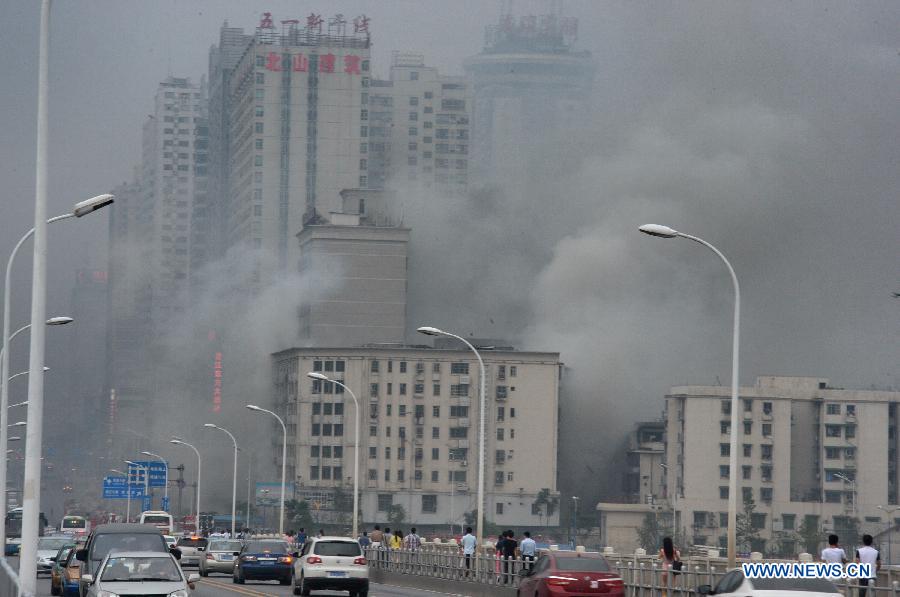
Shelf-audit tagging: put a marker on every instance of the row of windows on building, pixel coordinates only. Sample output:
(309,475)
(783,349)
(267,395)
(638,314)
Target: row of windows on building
(765,450)
(847,431)
(429,504)
(832,408)
(765,472)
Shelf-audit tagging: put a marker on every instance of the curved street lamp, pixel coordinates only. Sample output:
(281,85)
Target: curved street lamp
(180,442)
(255,408)
(666,232)
(433,331)
(234,479)
(165,462)
(321,377)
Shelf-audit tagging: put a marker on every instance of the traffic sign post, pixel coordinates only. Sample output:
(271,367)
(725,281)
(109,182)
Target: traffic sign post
(157,472)
(147,503)
(165,503)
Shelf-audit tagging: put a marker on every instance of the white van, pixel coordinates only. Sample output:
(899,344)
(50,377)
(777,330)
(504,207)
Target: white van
(160,519)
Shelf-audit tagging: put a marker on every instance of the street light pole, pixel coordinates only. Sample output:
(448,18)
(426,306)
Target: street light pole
(146,470)
(234,477)
(852,484)
(890,513)
(433,331)
(166,464)
(666,232)
(255,408)
(181,442)
(321,377)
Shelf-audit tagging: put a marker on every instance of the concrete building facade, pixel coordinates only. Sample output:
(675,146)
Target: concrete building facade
(419,410)
(419,127)
(297,122)
(358,262)
(813,457)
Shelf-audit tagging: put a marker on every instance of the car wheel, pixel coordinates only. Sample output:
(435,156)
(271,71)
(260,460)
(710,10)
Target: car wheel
(363,593)
(296,590)
(54,589)
(304,590)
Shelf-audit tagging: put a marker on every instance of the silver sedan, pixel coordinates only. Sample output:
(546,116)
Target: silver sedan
(139,573)
(219,556)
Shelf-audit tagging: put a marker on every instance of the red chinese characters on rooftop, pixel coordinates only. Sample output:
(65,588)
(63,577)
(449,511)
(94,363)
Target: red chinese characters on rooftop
(217,383)
(337,25)
(299,63)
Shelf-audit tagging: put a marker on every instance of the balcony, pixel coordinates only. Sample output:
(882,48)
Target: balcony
(464,379)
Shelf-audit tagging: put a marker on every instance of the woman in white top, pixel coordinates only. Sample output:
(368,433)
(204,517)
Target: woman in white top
(668,555)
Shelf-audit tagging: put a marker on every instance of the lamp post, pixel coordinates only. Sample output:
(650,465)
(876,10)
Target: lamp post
(181,442)
(890,513)
(19,374)
(234,478)
(4,387)
(666,232)
(321,377)
(166,464)
(575,499)
(852,483)
(255,408)
(675,530)
(433,331)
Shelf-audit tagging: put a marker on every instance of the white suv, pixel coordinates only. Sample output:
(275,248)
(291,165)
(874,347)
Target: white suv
(331,564)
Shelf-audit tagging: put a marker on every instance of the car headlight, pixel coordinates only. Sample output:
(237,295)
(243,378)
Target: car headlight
(179,593)
(107,594)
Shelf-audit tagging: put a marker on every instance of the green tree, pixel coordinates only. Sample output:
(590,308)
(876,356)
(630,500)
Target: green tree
(298,515)
(545,503)
(490,528)
(810,534)
(396,515)
(745,532)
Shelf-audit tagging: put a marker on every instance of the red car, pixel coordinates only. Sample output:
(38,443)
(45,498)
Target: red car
(572,574)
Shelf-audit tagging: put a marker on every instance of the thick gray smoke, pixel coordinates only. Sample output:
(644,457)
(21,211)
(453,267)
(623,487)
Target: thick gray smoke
(768,167)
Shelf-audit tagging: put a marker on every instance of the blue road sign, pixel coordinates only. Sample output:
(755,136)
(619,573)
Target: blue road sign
(146,503)
(165,503)
(157,472)
(115,482)
(121,493)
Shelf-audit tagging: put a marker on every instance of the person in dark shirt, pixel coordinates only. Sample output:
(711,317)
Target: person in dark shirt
(507,547)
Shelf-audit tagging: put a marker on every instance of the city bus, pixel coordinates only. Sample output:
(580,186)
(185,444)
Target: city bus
(13,521)
(160,519)
(78,525)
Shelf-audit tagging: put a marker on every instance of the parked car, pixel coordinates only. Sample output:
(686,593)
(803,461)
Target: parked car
(120,537)
(219,556)
(264,559)
(193,549)
(734,583)
(124,573)
(331,563)
(56,570)
(47,549)
(561,573)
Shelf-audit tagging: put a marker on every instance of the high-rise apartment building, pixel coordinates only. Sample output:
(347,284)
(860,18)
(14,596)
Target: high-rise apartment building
(173,172)
(297,117)
(208,242)
(530,86)
(418,445)
(811,456)
(419,127)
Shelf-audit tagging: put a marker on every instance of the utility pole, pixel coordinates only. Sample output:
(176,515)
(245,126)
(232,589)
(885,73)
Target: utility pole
(179,483)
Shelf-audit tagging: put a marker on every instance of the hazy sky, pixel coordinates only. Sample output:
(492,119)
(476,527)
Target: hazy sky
(768,128)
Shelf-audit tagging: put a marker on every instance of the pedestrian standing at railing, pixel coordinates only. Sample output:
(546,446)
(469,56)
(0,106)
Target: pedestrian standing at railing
(364,540)
(507,547)
(671,560)
(868,555)
(412,542)
(468,543)
(377,538)
(528,547)
(833,554)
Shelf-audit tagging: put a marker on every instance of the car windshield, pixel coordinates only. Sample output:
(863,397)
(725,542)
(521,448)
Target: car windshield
(812,585)
(582,564)
(230,546)
(337,548)
(62,554)
(104,544)
(192,542)
(54,543)
(266,547)
(162,569)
